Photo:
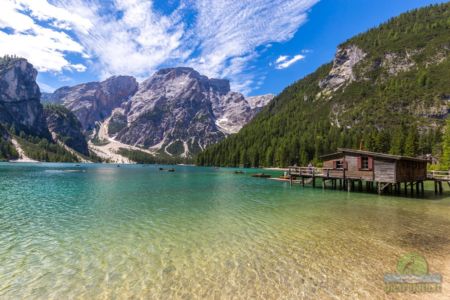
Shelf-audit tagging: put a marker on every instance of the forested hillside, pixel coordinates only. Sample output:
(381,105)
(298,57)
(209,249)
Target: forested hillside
(387,90)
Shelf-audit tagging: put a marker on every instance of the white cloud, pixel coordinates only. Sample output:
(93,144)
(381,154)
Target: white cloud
(45,47)
(135,44)
(284,62)
(62,18)
(218,38)
(231,29)
(281,58)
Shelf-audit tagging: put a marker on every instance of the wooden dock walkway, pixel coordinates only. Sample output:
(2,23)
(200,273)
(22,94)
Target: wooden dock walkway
(339,178)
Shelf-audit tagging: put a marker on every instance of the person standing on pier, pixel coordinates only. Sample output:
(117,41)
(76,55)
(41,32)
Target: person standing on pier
(310,167)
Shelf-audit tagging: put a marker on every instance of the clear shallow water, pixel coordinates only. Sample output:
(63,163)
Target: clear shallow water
(100,231)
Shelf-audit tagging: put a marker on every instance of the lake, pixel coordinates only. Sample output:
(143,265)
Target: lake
(99,231)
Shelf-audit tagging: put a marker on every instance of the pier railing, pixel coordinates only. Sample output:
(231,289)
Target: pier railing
(316,172)
(439,175)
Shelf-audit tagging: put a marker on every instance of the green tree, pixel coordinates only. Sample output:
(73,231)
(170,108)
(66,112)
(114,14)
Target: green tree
(411,142)
(396,142)
(445,159)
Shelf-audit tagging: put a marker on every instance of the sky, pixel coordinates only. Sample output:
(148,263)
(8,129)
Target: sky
(261,46)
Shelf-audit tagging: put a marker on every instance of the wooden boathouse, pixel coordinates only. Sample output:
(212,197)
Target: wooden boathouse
(358,170)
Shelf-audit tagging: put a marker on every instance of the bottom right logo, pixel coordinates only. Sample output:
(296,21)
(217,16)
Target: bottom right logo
(412,276)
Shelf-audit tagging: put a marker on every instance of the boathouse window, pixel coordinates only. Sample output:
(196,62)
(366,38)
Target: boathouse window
(365,163)
(339,164)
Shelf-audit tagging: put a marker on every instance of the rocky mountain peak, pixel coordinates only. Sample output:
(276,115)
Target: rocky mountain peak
(342,72)
(178,111)
(182,78)
(19,78)
(20,96)
(258,102)
(94,101)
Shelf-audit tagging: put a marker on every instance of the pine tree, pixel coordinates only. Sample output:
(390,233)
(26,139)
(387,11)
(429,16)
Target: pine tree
(396,142)
(445,159)
(411,142)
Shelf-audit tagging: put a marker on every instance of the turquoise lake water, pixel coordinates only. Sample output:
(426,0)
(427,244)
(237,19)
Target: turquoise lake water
(103,232)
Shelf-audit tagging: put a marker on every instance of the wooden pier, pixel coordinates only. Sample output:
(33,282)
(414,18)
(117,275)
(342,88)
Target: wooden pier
(439,177)
(364,171)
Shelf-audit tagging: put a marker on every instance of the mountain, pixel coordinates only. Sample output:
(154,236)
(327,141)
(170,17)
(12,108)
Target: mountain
(24,124)
(176,112)
(20,105)
(387,90)
(179,112)
(65,127)
(94,101)
(233,110)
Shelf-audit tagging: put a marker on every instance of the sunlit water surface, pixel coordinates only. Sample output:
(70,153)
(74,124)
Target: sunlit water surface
(97,231)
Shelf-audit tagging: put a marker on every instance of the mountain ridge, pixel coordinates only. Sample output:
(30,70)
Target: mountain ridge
(176,111)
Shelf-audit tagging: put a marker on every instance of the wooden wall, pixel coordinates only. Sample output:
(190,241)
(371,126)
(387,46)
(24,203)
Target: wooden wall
(385,170)
(329,164)
(352,168)
(353,171)
(411,171)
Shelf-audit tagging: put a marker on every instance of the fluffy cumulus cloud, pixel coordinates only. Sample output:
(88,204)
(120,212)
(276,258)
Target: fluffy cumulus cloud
(284,61)
(136,37)
(25,34)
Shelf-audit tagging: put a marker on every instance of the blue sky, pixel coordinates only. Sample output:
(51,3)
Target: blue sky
(260,45)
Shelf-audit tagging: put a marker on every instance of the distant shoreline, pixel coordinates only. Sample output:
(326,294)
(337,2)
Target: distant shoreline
(276,169)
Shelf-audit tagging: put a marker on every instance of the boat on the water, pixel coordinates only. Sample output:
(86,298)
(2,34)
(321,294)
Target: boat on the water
(239,172)
(261,175)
